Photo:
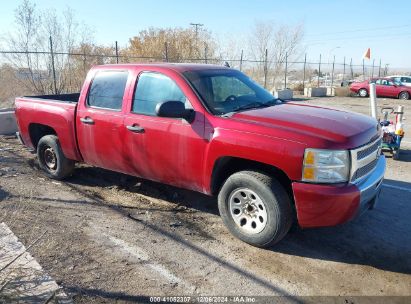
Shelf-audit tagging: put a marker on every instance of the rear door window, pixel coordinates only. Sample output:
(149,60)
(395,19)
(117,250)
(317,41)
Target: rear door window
(107,90)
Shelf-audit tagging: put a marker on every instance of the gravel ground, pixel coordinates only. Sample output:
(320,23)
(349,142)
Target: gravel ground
(112,237)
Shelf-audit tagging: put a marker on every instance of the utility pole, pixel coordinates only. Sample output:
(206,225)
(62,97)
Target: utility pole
(52,65)
(196,27)
(116,52)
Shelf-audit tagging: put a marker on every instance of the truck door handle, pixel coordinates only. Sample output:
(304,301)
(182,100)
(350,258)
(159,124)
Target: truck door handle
(135,129)
(87,120)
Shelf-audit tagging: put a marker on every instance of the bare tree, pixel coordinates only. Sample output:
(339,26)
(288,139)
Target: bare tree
(25,39)
(31,39)
(229,48)
(279,41)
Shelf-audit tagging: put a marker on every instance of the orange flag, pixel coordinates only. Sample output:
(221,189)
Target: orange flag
(367,54)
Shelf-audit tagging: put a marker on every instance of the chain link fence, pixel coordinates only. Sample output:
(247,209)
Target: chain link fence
(50,71)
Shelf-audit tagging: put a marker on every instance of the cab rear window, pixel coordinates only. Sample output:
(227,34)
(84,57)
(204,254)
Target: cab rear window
(107,90)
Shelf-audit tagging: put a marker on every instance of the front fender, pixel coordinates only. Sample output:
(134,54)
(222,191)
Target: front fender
(283,154)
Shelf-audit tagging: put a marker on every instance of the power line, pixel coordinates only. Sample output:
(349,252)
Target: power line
(365,38)
(362,30)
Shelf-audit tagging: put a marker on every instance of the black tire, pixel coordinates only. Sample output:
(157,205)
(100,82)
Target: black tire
(362,93)
(51,158)
(279,215)
(404,95)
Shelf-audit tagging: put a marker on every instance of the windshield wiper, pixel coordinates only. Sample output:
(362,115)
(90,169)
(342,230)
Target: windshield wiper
(256,105)
(252,105)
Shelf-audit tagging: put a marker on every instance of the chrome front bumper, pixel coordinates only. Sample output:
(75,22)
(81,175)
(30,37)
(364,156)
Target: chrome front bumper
(370,187)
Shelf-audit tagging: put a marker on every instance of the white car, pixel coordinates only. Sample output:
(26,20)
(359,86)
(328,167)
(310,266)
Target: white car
(404,80)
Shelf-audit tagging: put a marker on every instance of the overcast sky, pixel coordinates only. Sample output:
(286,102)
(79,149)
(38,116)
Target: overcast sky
(340,28)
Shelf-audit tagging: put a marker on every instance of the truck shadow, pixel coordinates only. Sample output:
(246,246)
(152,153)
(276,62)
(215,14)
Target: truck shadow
(380,238)
(97,177)
(405,155)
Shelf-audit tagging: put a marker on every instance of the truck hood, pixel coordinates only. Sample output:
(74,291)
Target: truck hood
(346,129)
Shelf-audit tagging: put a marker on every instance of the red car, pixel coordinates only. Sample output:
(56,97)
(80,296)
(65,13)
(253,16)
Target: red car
(212,129)
(385,87)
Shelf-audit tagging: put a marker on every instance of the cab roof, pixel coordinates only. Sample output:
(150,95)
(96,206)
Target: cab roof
(178,67)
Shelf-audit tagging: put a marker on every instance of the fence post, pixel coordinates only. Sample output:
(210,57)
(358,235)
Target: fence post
(241,61)
(305,62)
(52,66)
(373,100)
(285,70)
(352,72)
(84,62)
(332,75)
(372,71)
(265,68)
(166,50)
(205,52)
(343,71)
(319,72)
(379,69)
(116,52)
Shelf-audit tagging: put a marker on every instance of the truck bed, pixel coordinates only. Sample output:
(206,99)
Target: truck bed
(55,114)
(71,97)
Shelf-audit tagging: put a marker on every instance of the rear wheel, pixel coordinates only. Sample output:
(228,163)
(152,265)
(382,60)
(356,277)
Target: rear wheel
(51,158)
(404,95)
(255,208)
(362,92)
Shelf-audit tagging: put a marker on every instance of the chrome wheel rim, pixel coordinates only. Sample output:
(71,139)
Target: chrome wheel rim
(363,93)
(403,96)
(50,158)
(248,210)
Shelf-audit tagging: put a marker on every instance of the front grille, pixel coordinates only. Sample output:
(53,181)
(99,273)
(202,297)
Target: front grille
(363,171)
(367,151)
(364,160)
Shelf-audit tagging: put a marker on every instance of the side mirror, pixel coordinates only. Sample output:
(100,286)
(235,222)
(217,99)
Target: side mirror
(174,109)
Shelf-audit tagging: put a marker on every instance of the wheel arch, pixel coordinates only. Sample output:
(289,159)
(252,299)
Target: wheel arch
(37,131)
(228,165)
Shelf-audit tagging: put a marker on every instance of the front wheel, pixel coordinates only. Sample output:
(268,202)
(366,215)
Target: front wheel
(362,92)
(255,208)
(404,95)
(51,158)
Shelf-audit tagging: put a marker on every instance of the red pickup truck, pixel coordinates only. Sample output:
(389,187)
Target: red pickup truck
(212,129)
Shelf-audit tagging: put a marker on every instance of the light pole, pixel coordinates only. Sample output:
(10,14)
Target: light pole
(333,63)
(330,52)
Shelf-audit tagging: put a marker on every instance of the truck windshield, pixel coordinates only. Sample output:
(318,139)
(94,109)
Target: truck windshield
(227,91)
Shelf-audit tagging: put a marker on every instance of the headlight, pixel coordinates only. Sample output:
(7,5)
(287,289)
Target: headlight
(326,166)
